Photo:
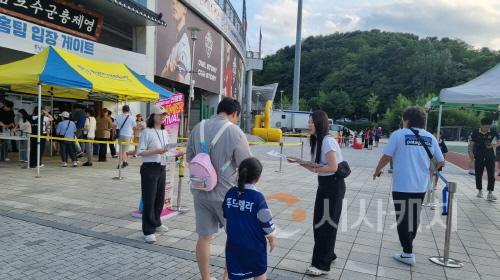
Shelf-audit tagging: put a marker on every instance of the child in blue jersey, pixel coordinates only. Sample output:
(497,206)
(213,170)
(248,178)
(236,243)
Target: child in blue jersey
(248,224)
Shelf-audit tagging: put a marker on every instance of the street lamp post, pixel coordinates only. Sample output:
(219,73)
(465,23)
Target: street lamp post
(194,36)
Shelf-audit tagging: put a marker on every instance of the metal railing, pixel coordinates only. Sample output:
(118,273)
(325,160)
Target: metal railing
(231,13)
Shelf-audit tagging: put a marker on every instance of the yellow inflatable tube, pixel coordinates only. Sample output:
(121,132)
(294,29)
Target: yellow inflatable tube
(262,127)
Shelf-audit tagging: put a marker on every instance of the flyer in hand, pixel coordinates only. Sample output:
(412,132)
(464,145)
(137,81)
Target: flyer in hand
(276,154)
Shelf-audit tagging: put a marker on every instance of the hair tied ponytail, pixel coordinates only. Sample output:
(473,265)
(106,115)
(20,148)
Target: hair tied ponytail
(242,178)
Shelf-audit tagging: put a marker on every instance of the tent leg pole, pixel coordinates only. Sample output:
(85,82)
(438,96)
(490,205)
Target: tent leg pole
(39,121)
(52,113)
(438,132)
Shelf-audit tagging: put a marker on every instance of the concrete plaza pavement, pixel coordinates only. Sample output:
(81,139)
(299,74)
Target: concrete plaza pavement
(71,208)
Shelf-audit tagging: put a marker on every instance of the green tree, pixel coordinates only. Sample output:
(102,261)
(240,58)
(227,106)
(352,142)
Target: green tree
(335,104)
(392,117)
(386,64)
(372,104)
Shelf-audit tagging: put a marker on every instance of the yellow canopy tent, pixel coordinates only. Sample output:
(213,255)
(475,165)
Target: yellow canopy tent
(58,73)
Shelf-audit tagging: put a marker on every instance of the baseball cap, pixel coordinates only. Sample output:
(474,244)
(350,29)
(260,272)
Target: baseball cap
(65,114)
(157,110)
(126,108)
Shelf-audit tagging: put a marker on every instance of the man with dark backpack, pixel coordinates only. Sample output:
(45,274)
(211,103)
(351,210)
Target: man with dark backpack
(413,150)
(226,153)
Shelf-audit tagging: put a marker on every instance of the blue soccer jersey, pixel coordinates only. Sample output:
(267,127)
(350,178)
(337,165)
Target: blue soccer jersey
(249,221)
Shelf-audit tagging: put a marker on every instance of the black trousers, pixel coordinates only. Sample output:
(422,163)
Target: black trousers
(68,147)
(408,207)
(485,162)
(103,149)
(112,148)
(33,150)
(153,176)
(327,211)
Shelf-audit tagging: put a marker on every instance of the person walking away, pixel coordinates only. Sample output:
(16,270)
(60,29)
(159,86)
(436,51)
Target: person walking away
(153,144)
(67,129)
(470,154)
(484,157)
(79,119)
(112,136)
(125,132)
(497,152)
(378,135)
(326,154)
(7,123)
(45,123)
(140,126)
(248,224)
(89,130)
(431,194)
(104,125)
(370,138)
(411,178)
(24,127)
(228,153)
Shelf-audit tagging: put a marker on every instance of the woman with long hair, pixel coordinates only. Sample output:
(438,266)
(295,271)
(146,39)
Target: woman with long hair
(326,155)
(153,145)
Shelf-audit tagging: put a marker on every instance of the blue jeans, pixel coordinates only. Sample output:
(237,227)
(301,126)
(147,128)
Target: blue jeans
(23,150)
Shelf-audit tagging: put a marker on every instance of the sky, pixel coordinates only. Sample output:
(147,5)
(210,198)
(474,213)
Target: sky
(476,22)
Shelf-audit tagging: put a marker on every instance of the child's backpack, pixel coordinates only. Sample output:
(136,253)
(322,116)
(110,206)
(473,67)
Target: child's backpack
(203,175)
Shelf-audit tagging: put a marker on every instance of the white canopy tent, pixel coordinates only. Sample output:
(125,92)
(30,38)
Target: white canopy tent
(482,90)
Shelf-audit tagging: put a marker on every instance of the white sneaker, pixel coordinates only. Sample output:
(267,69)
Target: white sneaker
(162,228)
(433,206)
(480,194)
(407,260)
(64,164)
(75,164)
(313,271)
(150,238)
(491,197)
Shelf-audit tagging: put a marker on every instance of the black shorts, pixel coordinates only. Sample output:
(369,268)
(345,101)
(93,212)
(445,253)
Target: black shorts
(377,138)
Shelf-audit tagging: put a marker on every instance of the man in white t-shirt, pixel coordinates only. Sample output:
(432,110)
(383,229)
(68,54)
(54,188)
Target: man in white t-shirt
(125,124)
(411,175)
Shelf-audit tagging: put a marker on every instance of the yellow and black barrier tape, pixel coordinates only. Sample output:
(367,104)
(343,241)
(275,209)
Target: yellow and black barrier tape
(84,140)
(135,144)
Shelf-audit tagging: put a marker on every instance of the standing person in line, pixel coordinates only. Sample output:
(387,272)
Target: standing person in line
(326,153)
(79,119)
(125,125)
(410,179)
(45,126)
(89,131)
(24,126)
(248,223)
(484,157)
(231,149)
(112,135)
(104,126)
(139,127)
(67,129)
(6,123)
(153,144)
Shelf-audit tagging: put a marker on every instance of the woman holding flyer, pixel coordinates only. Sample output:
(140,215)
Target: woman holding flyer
(326,155)
(153,146)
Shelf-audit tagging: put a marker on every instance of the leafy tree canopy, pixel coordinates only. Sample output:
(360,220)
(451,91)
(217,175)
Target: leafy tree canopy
(342,72)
